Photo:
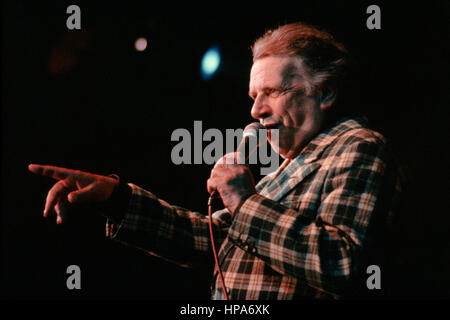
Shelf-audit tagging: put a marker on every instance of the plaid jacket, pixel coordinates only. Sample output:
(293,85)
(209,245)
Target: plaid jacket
(305,233)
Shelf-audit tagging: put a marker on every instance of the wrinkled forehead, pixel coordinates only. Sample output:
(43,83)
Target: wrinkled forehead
(277,71)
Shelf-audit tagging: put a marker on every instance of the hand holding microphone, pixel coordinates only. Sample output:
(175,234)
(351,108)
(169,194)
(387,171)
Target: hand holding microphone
(230,177)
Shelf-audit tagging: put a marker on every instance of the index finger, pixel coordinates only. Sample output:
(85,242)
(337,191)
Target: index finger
(57,173)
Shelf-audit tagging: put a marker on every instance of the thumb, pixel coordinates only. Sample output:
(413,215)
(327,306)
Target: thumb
(83,195)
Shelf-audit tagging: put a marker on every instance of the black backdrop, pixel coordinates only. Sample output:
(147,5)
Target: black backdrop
(88,100)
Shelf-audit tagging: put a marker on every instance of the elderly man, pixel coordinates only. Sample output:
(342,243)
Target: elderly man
(309,229)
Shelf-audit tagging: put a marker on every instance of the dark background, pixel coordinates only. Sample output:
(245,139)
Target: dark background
(88,100)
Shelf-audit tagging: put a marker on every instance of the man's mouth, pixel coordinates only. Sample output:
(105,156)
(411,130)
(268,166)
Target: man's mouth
(270,126)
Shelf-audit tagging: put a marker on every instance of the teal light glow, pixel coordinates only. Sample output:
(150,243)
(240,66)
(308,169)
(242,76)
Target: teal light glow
(210,62)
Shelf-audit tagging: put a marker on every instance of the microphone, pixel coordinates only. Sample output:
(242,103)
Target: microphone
(251,130)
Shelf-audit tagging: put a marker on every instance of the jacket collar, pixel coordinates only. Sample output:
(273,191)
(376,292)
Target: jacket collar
(277,184)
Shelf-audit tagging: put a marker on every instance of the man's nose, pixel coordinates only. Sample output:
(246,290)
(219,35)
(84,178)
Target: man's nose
(261,109)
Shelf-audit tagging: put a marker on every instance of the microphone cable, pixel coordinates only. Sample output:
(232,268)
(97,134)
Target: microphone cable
(224,288)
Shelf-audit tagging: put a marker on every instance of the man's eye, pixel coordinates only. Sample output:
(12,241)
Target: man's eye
(274,93)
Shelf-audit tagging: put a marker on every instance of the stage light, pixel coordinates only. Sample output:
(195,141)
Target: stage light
(210,62)
(140,44)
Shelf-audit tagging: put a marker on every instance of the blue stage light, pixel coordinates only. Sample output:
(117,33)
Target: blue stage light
(210,62)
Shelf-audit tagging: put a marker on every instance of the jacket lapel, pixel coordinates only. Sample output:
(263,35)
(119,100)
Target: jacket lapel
(293,174)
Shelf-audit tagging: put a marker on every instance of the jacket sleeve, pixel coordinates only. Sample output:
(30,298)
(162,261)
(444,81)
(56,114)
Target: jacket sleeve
(169,232)
(325,250)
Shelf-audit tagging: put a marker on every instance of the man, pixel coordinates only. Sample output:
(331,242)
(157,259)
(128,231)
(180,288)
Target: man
(309,229)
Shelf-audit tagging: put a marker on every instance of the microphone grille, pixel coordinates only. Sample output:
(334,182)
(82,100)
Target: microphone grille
(252,129)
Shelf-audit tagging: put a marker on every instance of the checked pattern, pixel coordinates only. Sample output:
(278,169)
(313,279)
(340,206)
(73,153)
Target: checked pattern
(305,234)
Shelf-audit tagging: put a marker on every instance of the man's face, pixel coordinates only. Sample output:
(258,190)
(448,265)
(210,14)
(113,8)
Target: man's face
(279,88)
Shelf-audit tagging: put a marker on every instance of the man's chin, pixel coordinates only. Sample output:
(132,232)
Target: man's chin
(279,150)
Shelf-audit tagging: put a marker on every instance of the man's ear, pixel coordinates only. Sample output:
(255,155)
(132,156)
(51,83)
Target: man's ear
(327,97)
